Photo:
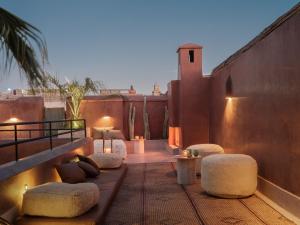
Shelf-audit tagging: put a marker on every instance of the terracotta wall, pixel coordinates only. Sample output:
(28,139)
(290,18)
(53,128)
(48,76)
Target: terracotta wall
(263,118)
(173,103)
(188,100)
(12,189)
(194,112)
(23,109)
(99,112)
(102,113)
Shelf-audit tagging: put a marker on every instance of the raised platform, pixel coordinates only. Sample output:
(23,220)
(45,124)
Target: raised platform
(108,182)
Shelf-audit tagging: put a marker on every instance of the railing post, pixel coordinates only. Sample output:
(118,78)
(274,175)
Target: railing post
(50,134)
(71,126)
(84,125)
(16,142)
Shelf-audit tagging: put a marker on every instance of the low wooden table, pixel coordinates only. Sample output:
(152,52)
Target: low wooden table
(186,169)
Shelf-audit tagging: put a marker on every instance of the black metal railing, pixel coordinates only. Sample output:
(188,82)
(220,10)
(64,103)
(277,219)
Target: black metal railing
(45,129)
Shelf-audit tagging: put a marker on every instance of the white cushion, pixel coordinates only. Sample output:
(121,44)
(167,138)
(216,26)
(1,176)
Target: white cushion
(205,150)
(229,175)
(60,199)
(107,160)
(118,147)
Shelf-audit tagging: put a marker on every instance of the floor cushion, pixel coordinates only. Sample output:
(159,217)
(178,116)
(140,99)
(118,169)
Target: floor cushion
(89,170)
(107,160)
(113,134)
(203,151)
(88,160)
(71,173)
(60,199)
(229,175)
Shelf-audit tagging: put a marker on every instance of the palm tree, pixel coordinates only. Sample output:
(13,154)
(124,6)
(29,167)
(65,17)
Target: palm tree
(74,92)
(17,41)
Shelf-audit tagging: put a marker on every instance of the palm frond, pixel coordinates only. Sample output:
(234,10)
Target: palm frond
(92,86)
(74,92)
(17,40)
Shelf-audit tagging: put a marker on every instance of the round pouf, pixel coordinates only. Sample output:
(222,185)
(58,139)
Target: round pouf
(203,151)
(229,175)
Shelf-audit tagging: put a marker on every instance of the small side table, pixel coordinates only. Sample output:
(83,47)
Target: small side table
(186,169)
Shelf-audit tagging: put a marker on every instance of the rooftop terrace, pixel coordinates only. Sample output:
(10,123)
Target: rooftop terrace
(152,150)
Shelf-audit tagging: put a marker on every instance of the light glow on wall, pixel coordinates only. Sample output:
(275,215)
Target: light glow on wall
(174,136)
(230,109)
(13,120)
(105,121)
(25,188)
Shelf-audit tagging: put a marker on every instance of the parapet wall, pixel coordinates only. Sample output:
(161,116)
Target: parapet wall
(21,109)
(262,118)
(113,112)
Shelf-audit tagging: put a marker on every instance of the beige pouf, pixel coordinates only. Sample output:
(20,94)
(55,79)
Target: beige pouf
(229,175)
(60,199)
(107,160)
(203,151)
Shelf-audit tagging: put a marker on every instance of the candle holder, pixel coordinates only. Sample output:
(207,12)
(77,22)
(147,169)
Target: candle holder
(185,153)
(195,153)
(189,153)
(107,150)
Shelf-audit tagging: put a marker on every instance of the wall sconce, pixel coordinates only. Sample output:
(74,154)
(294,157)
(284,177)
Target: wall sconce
(228,86)
(25,188)
(13,119)
(106,117)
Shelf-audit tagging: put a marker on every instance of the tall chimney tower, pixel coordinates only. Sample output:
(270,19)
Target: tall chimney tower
(193,110)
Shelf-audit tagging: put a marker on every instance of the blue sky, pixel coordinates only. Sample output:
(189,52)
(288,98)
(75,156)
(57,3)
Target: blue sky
(123,42)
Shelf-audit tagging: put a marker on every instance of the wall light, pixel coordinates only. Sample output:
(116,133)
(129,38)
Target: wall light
(13,119)
(25,188)
(228,86)
(106,117)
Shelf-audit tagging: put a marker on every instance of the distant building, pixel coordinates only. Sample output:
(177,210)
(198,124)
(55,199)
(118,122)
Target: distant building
(130,91)
(156,90)
(52,97)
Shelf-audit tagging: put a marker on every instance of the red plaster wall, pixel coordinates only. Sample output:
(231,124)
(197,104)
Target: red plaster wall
(24,109)
(93,108)
(263,120)
(94,111)
(193,98)
(173,103)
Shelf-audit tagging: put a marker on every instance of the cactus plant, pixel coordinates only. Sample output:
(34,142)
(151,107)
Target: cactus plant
(131,119)
(166,122)
(146,120)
